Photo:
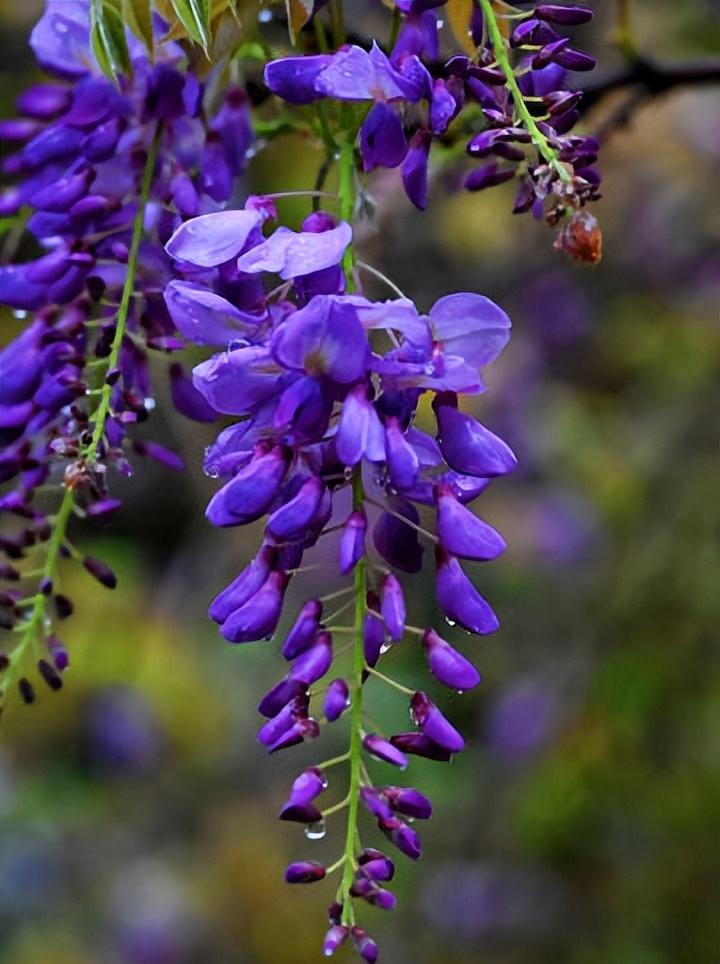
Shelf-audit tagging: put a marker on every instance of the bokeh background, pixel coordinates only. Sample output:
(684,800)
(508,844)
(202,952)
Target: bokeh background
(137,814)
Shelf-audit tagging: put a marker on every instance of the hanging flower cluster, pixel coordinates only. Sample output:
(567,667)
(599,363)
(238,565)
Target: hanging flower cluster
(514,108)
(101,176)
(327,385)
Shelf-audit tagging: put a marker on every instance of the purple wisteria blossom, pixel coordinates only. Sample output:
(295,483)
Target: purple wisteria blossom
(100,176)
(326,385)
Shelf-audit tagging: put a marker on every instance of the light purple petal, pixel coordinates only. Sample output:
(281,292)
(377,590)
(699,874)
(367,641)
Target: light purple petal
(205,317)
(471,326)
(292,254)
(213,239)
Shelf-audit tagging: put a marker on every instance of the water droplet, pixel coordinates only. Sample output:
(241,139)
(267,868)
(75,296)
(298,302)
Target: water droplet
(265,16)
(348,472)
(149,404)
(450,622)
(316,831)
(212,471)
(385,647)
(19,313)
(460,692)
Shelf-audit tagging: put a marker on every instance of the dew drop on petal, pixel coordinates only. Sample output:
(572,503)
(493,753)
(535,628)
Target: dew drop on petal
(316,831)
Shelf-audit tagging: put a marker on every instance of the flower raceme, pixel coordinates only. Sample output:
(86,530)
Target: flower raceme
(101,175)
(326,385)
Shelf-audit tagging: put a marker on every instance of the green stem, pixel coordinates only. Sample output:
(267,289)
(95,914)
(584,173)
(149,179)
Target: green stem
(356,718)
(103,409)
(88,455)
(346,192)
(501,56)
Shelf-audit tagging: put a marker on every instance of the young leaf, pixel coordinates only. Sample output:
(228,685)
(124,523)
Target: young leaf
(139,18)
(108,38)
(298,14)
(194,15)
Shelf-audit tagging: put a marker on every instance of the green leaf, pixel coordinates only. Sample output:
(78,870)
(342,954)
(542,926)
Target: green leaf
(298,14)
(139,18)
(195,16)
(109,43)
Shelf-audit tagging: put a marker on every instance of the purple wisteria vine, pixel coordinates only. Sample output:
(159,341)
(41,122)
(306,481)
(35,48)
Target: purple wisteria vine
(343,418)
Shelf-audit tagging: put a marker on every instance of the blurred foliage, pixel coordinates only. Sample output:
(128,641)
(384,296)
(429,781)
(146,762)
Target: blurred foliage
(137,816)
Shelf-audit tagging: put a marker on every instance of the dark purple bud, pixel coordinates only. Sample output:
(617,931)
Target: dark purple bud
(187,399)
(298,732)
(337,700)
(305,789)
(532,32)
(434,725)
(281,694)
(559,101)
(45,586)
(292,520)
(403,836)
(304,630)
(157,452)
(377,896)
(466,445)
(244,587)
(314,663)
(397,542)
(383,750)
(259,617)
(409,802)
(447,665)
(9,573)
(418,744)
(63,606)
(392,606)
(572,59)
(373,633)
(15,130)
(549,53)
(459,599)
(58,653)
(402,459)
(50,675)
(304,872)
(382,139)
(27,690)
(295,708)
(488,176)
(364,945)
(375,864)
(102,572)
(62,194)
(335,938)
(101,143)
(352,540)
(248,495)
(375,803)
(461,532)
(556,13)
(415,169)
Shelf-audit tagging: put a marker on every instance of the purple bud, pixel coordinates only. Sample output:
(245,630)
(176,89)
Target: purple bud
(375,864)
(572,59)
(373,633)
(312,665)
(392,606)
(100,571)
(375,803)
(466,445)
(420,745)
(403,836)
(382,139)
(402,459)
(335,938)
(304,790)
(58,653)
(298,732)
(336,700)
(556,13)
(304,872)
(377,896)
(304,629)
(434,725)
(257,618)
(532,32)
(352,540)
(295,708)
(409,802)
(383,750)
(488,176)
(187,399)
(102,508)
(415,169)
(292,520)
(249,494)
(397,542)
(280,696)
(459,599)
(461,532)
(447,665)
(244,586)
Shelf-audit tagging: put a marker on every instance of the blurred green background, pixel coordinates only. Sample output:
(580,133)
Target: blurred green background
(137,814)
